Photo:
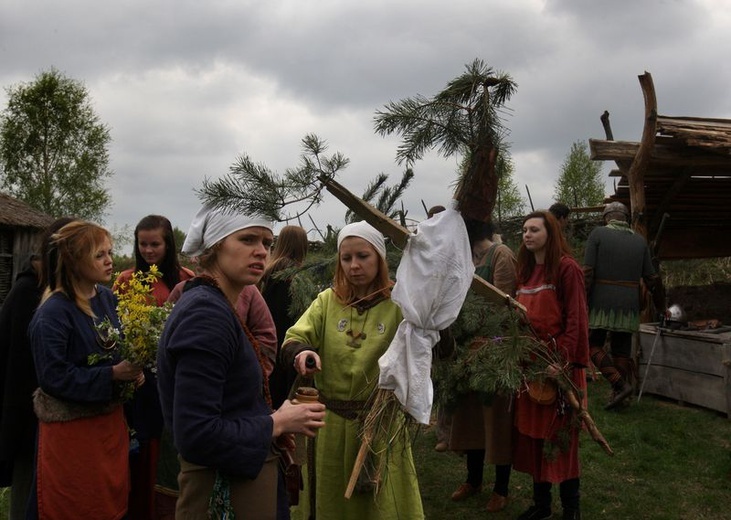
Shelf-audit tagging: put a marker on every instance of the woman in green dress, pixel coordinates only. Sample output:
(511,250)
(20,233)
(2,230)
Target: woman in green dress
(345,331)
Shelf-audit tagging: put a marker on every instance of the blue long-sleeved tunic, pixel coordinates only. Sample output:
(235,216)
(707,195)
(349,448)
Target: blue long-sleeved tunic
(62,338)
(210,385)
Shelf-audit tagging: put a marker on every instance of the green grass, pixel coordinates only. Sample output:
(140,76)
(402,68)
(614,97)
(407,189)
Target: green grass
(670,462)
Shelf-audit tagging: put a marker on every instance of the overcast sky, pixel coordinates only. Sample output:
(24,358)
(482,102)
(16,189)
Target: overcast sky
(187,86)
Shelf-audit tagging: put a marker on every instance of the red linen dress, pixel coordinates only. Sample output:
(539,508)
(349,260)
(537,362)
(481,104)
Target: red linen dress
(557,310)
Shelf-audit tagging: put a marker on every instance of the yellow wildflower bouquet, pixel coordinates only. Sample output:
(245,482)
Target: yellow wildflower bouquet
(141,321)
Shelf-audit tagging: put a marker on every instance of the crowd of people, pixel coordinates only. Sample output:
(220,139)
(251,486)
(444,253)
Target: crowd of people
(211,430)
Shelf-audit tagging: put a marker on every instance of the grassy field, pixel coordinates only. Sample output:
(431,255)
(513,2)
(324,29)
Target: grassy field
(4,493)
(670,463)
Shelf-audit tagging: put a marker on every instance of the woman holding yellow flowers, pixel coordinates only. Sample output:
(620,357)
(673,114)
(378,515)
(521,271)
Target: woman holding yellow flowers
(154,247)
(82,469)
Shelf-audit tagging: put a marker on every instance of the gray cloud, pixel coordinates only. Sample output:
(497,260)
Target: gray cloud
(187,86)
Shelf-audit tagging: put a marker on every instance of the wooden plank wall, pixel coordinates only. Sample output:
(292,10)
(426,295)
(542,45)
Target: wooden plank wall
(689,367)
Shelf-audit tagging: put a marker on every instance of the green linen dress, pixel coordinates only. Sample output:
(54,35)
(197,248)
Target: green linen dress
(350,373)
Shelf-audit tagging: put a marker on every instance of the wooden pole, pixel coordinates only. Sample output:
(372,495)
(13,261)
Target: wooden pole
(607,126)
(530,199)
(316,228)
(636,173)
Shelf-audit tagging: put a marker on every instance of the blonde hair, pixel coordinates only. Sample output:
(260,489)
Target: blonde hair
(71,249)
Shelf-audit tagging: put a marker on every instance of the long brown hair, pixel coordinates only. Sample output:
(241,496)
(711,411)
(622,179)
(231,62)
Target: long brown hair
(290,250)
(170,266)
(71,249)
(345,291)
(555,248)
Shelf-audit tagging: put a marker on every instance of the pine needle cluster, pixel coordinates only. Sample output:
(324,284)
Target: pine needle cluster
(254,189)
(384,198)
(307,281)
(492,355)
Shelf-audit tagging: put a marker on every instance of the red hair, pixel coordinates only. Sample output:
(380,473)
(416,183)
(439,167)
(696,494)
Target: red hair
(556,247)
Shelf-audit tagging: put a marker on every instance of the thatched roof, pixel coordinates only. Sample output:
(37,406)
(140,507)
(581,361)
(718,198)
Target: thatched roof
(687,174)
(14,213)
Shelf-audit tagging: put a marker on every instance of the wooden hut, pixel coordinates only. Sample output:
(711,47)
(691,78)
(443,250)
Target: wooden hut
(681,167)
(677,182)
(21,227)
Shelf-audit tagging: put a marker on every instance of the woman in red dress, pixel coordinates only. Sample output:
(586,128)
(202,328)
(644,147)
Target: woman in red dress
(551,286)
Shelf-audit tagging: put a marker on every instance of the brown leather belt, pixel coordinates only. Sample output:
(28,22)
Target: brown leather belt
(621,283)
(345,409)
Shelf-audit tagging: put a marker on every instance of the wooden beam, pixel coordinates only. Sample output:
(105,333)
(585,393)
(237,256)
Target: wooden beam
(400,236)
(666,151)
(708,133)
(389,227)
(636,174)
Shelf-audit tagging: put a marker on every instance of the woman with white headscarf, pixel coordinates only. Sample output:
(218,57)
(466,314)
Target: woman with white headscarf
(213,390)
(345,331)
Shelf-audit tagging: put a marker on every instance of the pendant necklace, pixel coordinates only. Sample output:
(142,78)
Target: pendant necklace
(355,338)
(103,338)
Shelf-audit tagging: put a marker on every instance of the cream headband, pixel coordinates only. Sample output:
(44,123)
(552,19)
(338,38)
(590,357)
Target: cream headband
(211,225)
(365,231)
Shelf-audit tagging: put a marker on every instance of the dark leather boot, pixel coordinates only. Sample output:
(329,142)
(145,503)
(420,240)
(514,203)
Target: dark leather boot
(622,390)
(605,364)
(571,514)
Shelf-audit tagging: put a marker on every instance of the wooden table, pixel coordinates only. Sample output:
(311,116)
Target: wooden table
(689,366)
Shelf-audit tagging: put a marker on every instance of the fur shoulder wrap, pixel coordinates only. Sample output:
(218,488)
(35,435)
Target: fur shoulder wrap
(50,409)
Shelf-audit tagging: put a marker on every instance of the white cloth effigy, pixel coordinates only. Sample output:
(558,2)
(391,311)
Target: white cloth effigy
(432,281)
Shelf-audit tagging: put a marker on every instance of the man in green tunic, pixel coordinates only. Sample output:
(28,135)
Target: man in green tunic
(615,261)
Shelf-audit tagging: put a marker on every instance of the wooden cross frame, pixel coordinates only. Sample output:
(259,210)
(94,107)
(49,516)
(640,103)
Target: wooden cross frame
(399,235)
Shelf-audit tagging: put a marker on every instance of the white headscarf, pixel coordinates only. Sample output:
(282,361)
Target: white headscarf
(365,231)
(211,225)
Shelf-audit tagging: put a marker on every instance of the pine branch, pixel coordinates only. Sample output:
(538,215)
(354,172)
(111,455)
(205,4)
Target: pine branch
(254,188)
(464,118)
